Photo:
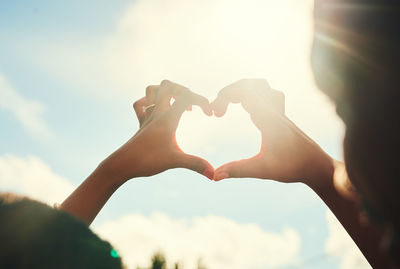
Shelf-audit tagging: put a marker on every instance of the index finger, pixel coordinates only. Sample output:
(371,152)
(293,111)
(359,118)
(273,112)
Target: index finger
(184,98)
(232,93)
(248,92)
(138,107)
(187,98)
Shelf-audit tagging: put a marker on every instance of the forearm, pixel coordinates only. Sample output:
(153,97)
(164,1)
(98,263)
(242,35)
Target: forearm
(89,198)
(347,209)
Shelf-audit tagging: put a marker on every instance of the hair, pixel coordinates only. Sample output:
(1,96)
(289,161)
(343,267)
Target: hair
(356,61)
(34,235)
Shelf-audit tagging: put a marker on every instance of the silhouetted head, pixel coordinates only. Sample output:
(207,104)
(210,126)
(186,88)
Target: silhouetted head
(34,235)
(356,62)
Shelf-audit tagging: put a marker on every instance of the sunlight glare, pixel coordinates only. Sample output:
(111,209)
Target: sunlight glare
(212,138)
(209,44)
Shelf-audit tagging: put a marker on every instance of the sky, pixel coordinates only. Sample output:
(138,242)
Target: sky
(69,74)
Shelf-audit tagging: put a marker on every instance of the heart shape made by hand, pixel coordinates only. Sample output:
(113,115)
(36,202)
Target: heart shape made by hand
(286,154)
(266,108)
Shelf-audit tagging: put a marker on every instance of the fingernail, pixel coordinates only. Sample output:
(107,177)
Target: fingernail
(220,176)
(209,173)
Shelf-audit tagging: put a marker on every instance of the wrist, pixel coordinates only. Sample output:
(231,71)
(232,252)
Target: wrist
(322,173)
(91,195)
(122,164)
(109,173)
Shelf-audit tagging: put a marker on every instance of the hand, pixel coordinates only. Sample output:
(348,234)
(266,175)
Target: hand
(286,154)
(153,149)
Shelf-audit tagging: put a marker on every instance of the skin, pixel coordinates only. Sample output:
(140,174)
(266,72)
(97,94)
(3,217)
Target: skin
(286,155)
(152,150)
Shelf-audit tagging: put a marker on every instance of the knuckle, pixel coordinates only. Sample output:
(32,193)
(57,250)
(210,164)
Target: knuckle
(166,87)
(263,83)
(136,105)
(243,81)
(165,83)
(280,96)
(149,90)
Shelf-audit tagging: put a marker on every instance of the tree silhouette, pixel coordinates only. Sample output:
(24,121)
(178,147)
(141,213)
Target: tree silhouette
(158,261)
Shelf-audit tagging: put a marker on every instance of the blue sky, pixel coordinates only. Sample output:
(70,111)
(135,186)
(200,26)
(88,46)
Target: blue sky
(71,71)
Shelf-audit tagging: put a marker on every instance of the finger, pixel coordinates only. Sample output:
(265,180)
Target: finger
(186,99)
(196,164)
(151,94)
(138,107)
(278,101)
(189,108)
(248,92)
(230,94)
(168,90)
(240,169)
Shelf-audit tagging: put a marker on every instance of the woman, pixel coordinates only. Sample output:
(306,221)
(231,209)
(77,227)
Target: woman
(355,59)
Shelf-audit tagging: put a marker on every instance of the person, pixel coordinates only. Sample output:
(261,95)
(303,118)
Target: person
(34,235)
(354,59)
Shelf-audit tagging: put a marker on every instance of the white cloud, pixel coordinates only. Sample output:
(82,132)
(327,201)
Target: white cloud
(31,177)
(27,112)
(219,242)
(340,244)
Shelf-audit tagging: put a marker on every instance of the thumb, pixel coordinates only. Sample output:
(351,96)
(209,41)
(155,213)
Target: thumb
(239,169)
(197,164)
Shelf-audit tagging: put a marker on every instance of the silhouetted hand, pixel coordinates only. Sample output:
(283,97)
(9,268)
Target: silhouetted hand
(286,153)
(153,149)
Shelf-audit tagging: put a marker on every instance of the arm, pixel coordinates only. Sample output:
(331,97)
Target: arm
(333,189)
(288,155)
(152,150)
(86,201)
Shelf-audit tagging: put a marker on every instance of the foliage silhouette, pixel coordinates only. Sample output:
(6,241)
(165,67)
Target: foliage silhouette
(158,261)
